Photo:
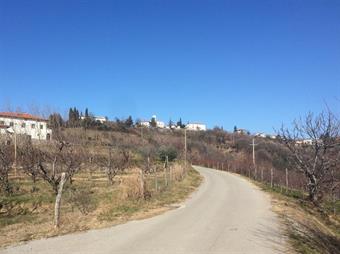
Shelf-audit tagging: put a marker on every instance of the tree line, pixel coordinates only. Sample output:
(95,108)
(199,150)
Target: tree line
(76,119)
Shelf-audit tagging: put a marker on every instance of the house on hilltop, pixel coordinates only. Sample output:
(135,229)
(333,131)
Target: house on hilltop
(196,127)
(24,124)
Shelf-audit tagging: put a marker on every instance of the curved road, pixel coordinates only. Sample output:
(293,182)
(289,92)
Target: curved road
(226,215)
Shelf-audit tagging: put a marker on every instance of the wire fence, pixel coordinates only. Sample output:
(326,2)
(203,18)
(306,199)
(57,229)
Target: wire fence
(285,181)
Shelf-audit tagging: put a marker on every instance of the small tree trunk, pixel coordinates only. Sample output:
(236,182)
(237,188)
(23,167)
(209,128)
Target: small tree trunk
(34,180)
(53,166)
(6,188)
(312,189)
(58,200)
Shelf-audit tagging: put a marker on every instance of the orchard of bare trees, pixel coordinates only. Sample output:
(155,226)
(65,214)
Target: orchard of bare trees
(107,170)
(73,165)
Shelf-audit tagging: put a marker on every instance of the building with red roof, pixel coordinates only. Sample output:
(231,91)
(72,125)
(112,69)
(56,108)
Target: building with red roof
(24,124)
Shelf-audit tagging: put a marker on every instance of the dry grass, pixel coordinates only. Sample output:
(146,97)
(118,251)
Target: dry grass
(133,185)
(310,230)
(177,172)
(110,204)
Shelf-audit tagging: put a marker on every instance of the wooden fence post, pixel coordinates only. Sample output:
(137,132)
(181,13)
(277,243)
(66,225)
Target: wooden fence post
(142,183)
(156,180)
(287,180)
(58,200)
(148,164)
(271,177)
(165,174)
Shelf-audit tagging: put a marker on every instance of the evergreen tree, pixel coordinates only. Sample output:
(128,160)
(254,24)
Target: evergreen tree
(73,117)
(153,122)
(235,128)
(180,124)
(129,122)
(170,123)
(70,117)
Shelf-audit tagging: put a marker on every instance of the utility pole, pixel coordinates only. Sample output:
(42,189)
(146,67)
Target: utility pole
(185,149)
(254,162)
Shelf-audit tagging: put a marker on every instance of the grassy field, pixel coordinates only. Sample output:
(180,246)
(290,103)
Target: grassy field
(311,230)
(90,202)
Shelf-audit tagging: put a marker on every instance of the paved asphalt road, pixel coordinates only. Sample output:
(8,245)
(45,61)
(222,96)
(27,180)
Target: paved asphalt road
(226,215)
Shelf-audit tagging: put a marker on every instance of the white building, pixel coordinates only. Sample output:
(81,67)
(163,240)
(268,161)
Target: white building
(196,127)
(24,124)
(160,124)
(242,131)
(308,142)
(145,123)
(260,135)
(101,119)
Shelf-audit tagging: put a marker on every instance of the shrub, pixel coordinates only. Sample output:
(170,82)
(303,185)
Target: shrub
(171,152)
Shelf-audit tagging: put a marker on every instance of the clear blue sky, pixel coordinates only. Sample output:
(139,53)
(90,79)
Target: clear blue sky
(254,64)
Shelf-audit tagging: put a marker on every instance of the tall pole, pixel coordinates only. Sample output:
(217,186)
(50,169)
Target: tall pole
(253,152)
(254,161)
(185,148)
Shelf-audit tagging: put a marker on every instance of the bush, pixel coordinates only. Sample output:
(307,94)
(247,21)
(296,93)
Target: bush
(171,152)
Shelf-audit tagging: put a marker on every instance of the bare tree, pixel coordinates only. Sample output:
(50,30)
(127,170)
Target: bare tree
(113,162)
(55,165)
(313,143)
(29,164)
(6,162)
